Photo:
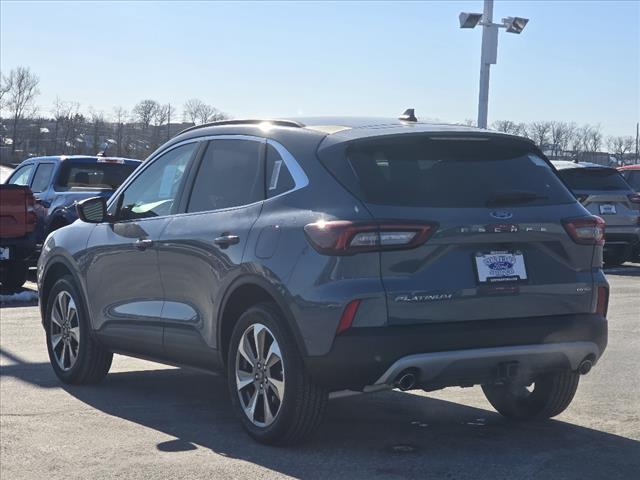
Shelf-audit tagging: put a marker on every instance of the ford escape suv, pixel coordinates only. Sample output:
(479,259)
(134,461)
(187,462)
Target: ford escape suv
(314,256)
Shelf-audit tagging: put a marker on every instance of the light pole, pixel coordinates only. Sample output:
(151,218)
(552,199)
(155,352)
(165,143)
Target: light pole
(489,54)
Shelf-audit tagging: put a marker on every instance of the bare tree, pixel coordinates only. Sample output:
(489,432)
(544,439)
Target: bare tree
(191,110)
(161,115)
(621,145)
(209,113)
(561,134)
(539,132)
(4,90)
(595,138)
(22,90)
(67,120)
(145,112)
(506,126)
(198,112)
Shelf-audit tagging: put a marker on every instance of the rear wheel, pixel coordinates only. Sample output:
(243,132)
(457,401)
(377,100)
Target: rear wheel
(272,394)
(75,356)
(13,275)
(547,397)
(616,257)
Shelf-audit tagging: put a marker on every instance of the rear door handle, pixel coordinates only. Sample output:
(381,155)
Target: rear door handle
(225,240)
(144,243)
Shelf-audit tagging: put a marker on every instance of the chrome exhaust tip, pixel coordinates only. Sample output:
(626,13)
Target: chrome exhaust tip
(585,367)
(406,380)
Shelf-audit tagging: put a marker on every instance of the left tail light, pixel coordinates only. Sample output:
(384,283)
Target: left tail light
(341,237)
(586,230)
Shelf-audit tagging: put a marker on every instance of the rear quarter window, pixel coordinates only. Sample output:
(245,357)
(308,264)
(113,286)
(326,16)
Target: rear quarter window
(426,172)
(88,175)
(593,179)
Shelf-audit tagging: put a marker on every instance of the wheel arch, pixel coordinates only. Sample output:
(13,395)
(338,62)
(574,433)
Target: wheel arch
(243,294)
(56,268)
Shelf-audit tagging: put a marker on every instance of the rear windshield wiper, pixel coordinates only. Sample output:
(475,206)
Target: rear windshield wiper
(513,198)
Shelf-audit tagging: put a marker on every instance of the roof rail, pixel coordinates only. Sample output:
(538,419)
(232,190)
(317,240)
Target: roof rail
(248,121)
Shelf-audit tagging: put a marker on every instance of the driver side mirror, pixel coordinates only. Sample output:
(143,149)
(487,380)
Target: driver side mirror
(92,210)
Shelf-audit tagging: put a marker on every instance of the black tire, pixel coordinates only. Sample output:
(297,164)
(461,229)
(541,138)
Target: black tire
(93,361)
(303,404)
(551,395)
(615,258)
(13,275)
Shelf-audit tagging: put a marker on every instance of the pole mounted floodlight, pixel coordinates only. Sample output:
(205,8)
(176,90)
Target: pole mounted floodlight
(489,53)
(515,24)
(469,20)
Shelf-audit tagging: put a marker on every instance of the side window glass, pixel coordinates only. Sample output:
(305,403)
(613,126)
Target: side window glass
(21,175)
(154,191)
(279,179)
(41,177)
(230,175)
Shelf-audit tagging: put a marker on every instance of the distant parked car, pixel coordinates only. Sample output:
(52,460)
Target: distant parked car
(604,192)
(58,182)
(631,174)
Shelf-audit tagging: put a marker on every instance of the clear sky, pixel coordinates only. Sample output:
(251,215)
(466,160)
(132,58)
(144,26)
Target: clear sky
(576,60)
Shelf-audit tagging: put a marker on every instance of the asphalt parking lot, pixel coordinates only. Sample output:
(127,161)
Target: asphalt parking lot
(151,421)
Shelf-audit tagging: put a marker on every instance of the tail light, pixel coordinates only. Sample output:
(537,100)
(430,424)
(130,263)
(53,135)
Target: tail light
(586,230)
(347,317)
(31,217)
(635,199)
(602,304)
(341,237)
(581,198)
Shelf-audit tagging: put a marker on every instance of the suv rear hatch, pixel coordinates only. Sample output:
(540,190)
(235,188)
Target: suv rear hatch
(498,245)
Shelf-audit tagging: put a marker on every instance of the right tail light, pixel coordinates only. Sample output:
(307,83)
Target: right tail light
(602,304)
(586,230)
(31,216)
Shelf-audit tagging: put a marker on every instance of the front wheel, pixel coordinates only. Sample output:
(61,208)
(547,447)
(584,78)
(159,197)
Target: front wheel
(75,356)
(272,394)
(547,397)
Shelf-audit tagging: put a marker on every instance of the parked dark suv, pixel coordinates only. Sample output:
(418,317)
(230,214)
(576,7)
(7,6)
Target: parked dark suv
(322,255)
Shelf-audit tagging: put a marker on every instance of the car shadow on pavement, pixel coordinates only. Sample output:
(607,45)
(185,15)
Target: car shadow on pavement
(383,435)
(626,270)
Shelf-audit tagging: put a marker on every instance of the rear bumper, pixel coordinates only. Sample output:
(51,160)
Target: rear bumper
(621,236)
(21,249)
(459,353)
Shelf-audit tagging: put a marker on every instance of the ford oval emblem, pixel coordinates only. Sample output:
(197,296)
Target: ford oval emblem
(501,214)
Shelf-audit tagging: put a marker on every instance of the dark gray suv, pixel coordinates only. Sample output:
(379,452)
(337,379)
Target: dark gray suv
(310,257)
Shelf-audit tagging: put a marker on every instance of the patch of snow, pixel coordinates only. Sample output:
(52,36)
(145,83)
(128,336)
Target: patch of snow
(19,297)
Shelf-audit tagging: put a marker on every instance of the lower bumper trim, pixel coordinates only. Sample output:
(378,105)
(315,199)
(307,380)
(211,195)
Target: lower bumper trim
(437,366)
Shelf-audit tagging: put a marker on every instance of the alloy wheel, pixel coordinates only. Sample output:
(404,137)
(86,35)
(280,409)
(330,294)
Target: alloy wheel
(260,375)
(65,331)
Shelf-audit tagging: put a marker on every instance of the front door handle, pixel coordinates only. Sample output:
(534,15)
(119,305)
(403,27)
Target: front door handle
(226,239)
(144,243)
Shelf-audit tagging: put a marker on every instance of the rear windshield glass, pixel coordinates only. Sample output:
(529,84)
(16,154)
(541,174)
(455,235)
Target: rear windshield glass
(85,175)
(454,173)
(594,179)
